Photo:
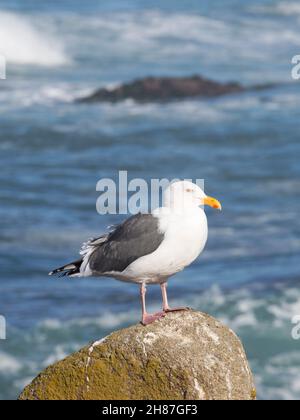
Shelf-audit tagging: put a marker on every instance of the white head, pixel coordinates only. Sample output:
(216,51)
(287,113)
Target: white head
(182,195)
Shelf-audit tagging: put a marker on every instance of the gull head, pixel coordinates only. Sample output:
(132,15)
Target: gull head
(183,195)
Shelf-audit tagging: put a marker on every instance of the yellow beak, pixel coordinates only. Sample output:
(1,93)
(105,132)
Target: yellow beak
(212,202)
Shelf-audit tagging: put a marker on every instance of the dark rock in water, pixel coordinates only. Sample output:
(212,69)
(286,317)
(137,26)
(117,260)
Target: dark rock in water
(152,89)
(186,355)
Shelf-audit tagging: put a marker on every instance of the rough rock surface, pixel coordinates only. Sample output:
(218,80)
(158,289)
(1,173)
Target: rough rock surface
(164,89)
(186,355)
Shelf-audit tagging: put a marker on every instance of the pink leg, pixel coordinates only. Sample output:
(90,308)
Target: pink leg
(166,307)
(148,318)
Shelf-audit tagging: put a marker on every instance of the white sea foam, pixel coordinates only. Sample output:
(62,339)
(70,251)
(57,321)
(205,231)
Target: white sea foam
(22,382)
(58,354)
(26,95)
(240,308)
(51,324)
(137,30)
(9,364)
(288,8)
(153,35)
(107,320)
(174,37)
(286,309)
(279,377)
(23,42)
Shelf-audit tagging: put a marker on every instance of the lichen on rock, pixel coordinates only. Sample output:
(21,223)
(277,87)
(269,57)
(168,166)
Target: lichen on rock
(186,355)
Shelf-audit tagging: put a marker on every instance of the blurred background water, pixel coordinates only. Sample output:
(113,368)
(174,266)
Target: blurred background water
(52,153)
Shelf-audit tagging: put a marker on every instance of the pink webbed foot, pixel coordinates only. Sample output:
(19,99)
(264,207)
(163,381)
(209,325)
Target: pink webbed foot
(178,309)
(149,318)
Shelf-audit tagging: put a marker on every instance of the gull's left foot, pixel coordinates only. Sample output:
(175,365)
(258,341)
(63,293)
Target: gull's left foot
(148,319)
(178,309)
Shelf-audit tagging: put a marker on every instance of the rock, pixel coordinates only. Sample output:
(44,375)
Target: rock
(164,89)
(186,355)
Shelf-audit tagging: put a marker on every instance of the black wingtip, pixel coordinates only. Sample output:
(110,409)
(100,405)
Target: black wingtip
(67,270)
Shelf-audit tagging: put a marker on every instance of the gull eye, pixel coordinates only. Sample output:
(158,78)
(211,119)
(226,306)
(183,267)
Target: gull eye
(189,190)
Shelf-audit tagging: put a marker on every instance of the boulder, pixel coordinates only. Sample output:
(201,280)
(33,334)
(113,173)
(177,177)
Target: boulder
(186,355)
(152,89)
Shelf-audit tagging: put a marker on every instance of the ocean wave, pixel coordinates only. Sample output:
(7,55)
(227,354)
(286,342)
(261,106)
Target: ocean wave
(288,8)
(142,29)
(26,96)
(279,379)
(107,320)
(9,364)
(154,36)
(238,308)
(57,354)
(23,42)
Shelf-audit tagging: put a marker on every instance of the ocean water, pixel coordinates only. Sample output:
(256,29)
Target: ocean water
(53,152)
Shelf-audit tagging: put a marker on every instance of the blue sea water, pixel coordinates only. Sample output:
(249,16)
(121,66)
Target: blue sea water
(53,152)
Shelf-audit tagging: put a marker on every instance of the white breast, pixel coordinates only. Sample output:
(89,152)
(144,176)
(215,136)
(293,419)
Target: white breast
(185,238)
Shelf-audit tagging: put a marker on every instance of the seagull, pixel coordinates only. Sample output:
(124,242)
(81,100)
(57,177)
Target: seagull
(150,248)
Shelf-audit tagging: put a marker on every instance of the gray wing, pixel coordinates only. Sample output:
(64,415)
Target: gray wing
(137,236)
